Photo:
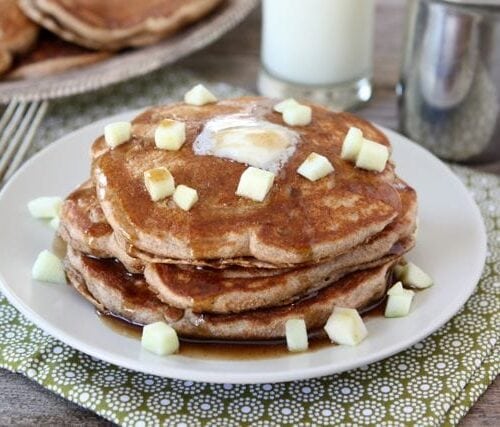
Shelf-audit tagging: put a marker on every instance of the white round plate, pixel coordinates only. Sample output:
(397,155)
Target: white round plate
(451,248)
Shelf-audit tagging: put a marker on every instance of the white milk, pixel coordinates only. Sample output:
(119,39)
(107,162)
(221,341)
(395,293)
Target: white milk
(318,42)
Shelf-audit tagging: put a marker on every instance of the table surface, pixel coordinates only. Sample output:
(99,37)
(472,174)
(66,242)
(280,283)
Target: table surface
(235,60)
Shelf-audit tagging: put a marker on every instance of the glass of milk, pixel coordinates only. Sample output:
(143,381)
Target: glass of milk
(317,49)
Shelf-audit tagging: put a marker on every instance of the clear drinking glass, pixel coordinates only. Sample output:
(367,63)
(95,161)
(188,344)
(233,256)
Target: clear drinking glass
(318,49)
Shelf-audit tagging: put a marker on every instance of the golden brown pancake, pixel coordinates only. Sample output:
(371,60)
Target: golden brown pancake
(84,227)
(298,222)
(234,289)
(112,24)
(109,287)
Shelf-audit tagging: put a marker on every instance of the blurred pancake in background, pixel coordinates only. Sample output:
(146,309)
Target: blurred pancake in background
(17,33)
(113,24)
(53,55)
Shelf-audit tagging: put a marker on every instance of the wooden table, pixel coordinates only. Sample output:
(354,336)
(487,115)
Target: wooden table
(235,59)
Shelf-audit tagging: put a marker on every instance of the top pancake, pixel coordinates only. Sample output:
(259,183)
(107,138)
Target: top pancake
(298,222)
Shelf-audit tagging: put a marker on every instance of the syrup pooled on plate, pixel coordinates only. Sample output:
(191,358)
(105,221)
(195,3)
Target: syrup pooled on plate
(234,350)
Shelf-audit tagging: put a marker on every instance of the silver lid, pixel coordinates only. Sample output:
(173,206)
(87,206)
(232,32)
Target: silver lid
(493,3)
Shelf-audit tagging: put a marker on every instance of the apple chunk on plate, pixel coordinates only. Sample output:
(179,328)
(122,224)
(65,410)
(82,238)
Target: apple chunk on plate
(160,338)
(414,276)
(296,335)
(48,268)
(345,326)
(399,301)
(45,207)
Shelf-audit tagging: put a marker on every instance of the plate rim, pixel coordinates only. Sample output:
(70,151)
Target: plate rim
(235,377)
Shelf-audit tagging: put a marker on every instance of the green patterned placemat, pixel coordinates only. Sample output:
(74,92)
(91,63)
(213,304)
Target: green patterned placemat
(435,382)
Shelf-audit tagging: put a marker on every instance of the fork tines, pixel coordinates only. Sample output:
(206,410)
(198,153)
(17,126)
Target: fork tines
(17,129)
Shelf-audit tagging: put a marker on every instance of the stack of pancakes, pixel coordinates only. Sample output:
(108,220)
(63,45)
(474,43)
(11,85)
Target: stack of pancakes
(233,268)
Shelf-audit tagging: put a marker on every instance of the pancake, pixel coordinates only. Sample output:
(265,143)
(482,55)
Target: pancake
(299,221)
(52,55)
(17,33)
(108,286)
(84,227)
(108,25)
(234,289)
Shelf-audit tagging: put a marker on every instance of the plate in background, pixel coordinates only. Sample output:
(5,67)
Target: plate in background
(132,62)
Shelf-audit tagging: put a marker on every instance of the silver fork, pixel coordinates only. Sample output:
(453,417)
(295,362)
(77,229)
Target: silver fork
(18,125)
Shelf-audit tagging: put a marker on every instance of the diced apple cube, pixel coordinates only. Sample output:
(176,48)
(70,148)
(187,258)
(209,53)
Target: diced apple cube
(48,268)
(315,167)
(399,301)
(199,95)
(396,289)
(185,197)
(45,207)
(415,277)
(54,222)
(255,183)
(170,134)
(159,183)
(296,335)
(345,326)
(281,106)
(160,338)
(372,156)
(117,133)
(352,144)
(297,115)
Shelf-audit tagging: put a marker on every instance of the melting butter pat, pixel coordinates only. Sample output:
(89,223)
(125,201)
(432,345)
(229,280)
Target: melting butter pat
(345,326)
(287,103)
(48,268)
(45,207)
(248,140)
(199,95)
(372,156)
(117,133)
(296,335)
(399,301)
(315,167)
(170,134)
(297,115)
(159,183)
(414,276)
(352,144)
(160,338)
(185,197)
(255,184)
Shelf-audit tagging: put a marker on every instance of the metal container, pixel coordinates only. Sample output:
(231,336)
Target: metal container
(449,91)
